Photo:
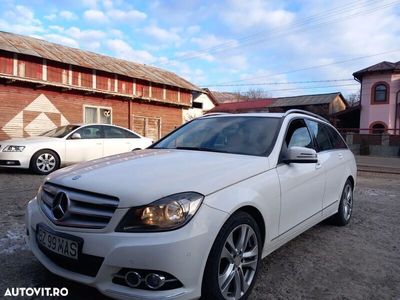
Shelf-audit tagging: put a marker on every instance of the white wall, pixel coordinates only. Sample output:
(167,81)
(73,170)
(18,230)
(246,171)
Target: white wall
(191,113)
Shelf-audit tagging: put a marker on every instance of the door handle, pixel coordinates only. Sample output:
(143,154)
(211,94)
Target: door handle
(318,165)
(340,155)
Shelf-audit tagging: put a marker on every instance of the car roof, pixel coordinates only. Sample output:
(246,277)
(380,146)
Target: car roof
(253,114)
(111,125)
(289,113)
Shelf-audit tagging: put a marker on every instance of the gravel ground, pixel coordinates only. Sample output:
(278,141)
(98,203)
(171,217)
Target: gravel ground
(359,261)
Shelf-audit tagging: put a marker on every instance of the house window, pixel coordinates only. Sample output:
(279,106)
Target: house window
(378,127)
(380,93)
(197,105)
(97,114)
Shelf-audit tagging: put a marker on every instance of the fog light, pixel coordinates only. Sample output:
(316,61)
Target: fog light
(154,281)
(133,279)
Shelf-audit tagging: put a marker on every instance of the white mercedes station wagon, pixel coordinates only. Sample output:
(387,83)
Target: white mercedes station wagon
(68,145)
(193,215)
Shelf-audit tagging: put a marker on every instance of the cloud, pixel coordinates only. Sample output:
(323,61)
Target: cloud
(95,15)
(123,50)
(242,15)
(60,39)
(162,35)
(50,17)
(68,15)
(115,15)
(86,35)
(210,40)
(20,20)
(193,29)
(126,15)
(64,15)
(90,3)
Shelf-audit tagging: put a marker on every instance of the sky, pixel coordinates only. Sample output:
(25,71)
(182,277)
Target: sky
(283,48)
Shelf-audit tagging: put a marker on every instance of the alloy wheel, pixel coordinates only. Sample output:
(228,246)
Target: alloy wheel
(348,202)
(238,262)
(46,162)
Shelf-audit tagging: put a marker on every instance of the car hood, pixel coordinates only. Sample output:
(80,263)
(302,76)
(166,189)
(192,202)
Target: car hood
(141,177)
(29,140)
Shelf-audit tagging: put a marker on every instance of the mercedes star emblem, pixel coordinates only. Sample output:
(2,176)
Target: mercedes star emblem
(60,205)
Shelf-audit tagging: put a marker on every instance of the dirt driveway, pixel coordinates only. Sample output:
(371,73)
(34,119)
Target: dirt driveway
(360,261)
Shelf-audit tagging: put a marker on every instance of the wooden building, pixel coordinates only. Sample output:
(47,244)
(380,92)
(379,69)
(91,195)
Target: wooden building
(44,85)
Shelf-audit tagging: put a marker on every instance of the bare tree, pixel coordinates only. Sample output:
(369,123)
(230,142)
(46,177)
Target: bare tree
(354,98)
(256,93)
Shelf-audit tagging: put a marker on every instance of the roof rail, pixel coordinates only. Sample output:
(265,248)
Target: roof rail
(215,114)
(300,111)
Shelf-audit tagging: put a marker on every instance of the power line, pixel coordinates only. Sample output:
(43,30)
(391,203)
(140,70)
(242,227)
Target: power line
(282,83)
(300,22)
(261,40)
(324,18)
(312,87)
(307,68)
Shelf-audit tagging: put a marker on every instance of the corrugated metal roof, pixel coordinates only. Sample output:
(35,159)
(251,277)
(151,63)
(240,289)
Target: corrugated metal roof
(379,67)
(243,106)
(40,48)
(305,100)
(224,97)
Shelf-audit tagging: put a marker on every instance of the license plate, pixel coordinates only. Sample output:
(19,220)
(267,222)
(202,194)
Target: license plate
(59,243)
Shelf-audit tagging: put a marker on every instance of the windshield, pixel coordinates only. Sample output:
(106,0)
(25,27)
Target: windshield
(60,132)
(238,135)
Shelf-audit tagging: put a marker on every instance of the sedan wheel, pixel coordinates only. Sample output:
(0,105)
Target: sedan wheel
(238,262)
(44,162)
(234,259)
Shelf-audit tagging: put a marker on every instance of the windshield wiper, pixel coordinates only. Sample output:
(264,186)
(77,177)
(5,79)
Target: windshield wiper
(200,149)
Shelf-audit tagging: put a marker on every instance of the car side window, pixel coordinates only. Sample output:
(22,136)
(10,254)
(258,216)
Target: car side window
(118,133)
(336,140)
(298,135)
(113,132)
(130,135)
(321,134)
(90,132)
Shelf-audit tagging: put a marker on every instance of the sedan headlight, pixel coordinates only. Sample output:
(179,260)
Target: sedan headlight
(13,148)
(167,213)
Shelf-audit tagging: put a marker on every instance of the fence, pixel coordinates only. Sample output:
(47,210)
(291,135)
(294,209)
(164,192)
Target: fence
(376,142)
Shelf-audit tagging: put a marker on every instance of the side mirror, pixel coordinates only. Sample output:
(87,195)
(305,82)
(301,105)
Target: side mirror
(76,136)
(300,155)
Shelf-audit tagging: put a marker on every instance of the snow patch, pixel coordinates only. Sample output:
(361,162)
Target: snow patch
(13,241)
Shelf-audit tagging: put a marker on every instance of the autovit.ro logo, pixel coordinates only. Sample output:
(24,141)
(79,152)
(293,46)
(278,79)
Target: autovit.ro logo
(36,291)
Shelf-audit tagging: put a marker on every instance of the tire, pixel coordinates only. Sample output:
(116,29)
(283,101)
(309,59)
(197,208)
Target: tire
(236,262)
(343,216)
(44,162)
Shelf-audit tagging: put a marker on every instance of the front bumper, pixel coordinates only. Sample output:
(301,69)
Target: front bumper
(182,253)
(15,159)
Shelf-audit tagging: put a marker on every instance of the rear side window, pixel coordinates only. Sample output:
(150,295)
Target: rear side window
(336,140)
(117,133)
(321,135)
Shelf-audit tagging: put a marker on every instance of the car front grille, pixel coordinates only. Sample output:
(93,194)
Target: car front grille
(71,207)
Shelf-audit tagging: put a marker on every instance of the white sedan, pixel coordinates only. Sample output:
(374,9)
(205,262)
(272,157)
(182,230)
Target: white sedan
(68,145)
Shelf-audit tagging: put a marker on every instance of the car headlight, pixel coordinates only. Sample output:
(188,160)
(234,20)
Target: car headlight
(13,148)
(167,213)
